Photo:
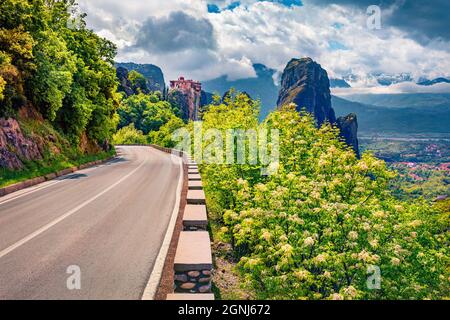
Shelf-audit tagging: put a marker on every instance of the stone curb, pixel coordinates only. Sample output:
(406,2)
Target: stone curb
(51,176)
(192,279)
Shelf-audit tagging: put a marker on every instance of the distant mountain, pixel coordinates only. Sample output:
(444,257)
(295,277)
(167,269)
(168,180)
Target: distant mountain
(153,74)
(262,87)
(383,79)
(339,83)
(403,100)
(433,82)
(390,79)
(374,119)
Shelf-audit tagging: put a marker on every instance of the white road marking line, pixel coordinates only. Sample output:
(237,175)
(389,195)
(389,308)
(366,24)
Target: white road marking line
(68,214)
(30,190)
(38,187)
(156,274)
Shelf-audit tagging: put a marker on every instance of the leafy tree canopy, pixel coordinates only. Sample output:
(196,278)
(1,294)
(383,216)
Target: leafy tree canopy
(50,59)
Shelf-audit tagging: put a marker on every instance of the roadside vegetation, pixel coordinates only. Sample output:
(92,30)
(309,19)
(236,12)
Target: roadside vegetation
(322,224)
(315,228)
(39,168)
(57,79)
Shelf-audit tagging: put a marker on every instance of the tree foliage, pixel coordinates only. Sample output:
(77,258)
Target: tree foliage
(147,112)
(49,58)
(163,137)
(129,135)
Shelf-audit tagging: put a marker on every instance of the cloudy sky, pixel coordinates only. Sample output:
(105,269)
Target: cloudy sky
(204,39)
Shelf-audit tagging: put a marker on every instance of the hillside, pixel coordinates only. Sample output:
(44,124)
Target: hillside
(412,120)
(58,97)
(152,73)
(403,100)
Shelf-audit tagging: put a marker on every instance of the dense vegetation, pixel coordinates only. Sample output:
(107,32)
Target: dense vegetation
(50,61)
(147,118)
(311,230)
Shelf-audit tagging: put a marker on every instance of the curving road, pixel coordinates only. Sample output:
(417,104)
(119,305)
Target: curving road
(110,221)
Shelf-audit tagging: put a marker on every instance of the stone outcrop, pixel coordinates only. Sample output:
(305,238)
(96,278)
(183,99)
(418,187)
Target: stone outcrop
(124,83)
(306,84)
(152,73)
(181,101)
(14,146)
(349,131)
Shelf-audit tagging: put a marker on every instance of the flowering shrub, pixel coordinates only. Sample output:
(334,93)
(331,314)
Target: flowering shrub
(312,229)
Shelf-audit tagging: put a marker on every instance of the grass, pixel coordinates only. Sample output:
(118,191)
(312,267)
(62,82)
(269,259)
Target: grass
(33,169)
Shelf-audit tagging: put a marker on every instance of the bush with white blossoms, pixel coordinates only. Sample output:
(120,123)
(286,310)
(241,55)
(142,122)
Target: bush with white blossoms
(312,229)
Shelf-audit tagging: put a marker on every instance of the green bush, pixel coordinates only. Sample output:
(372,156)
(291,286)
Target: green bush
(129,135)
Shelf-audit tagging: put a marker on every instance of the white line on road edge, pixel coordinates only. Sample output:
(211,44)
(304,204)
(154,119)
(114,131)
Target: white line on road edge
(42,186)
(68,214)
(155,276)
(30,190)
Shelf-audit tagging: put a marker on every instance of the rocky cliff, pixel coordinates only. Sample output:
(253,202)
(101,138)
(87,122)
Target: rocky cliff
(14,146)
(349,130)
(306,84)
(152,73)
(125,84)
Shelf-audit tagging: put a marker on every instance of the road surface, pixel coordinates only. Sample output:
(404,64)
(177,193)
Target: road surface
(109,221)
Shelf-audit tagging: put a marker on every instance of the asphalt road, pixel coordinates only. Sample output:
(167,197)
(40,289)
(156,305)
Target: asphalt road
(109,221)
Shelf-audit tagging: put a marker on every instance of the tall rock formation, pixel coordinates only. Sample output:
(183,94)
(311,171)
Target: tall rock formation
(307,85)
(349,130)
(189,96)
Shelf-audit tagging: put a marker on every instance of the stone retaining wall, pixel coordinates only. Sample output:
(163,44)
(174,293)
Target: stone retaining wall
(193,281)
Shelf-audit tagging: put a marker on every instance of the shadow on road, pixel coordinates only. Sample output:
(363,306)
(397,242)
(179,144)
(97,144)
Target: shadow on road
(74,176)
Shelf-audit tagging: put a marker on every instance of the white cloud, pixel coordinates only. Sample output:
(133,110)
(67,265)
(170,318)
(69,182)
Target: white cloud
(404,87)
(272,34)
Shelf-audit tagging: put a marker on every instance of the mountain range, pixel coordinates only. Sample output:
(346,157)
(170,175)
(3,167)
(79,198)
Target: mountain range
(420,117)
(391,113)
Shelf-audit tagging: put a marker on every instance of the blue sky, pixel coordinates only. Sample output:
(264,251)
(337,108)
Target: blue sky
(204,39)
(214,8)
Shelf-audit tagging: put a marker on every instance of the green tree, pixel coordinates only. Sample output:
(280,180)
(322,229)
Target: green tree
(163,137)
(138,82)
(147,112)
(50,58)
(129,135)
